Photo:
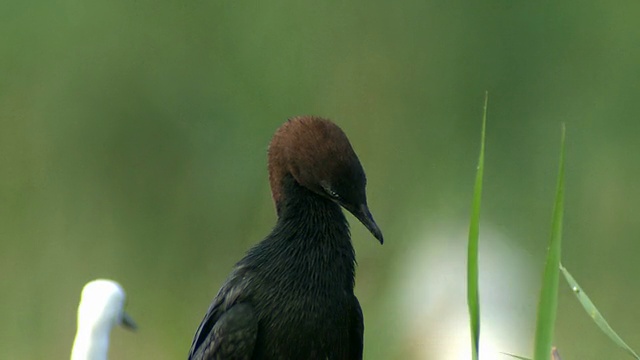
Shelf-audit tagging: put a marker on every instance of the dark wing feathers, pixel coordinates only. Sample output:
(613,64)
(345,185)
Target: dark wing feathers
(230,327)
(232,337)
(205,327)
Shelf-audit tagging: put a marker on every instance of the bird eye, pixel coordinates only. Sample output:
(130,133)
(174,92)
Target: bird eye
(329,191)
(333,194)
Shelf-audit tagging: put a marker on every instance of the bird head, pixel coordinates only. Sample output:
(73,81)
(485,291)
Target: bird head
(319,156)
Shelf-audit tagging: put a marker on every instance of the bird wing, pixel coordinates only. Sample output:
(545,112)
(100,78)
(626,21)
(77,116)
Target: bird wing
(232,337)
(230,327)
(356,333)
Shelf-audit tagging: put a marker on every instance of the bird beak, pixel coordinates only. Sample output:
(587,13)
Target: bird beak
(363,214)
(127,322)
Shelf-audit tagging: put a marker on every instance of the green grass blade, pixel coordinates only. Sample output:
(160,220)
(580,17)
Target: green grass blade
(591,309)
(548,301)
(516,356)
(473,298)
(554,355)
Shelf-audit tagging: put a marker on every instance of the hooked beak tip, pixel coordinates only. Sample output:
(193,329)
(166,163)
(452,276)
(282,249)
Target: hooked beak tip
(364,215)
(379,237)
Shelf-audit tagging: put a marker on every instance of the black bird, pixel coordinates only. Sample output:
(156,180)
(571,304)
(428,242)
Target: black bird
(291,296)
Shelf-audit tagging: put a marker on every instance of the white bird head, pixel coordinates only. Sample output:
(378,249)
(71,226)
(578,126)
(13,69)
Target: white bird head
(101,308)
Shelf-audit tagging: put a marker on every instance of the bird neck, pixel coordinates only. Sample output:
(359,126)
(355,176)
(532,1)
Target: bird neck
(91,342)
(313,234)
(313,216)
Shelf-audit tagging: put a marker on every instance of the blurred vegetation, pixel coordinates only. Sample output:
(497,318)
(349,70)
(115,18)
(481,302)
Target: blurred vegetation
(133,141)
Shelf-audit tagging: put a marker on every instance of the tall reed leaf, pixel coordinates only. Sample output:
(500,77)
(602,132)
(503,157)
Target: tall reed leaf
(548,301)
(473,298)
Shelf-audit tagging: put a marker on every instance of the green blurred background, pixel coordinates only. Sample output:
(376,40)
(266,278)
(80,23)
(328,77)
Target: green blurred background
(133,140)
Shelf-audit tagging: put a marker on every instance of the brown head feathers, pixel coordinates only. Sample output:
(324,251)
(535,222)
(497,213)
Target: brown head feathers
(319,157)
